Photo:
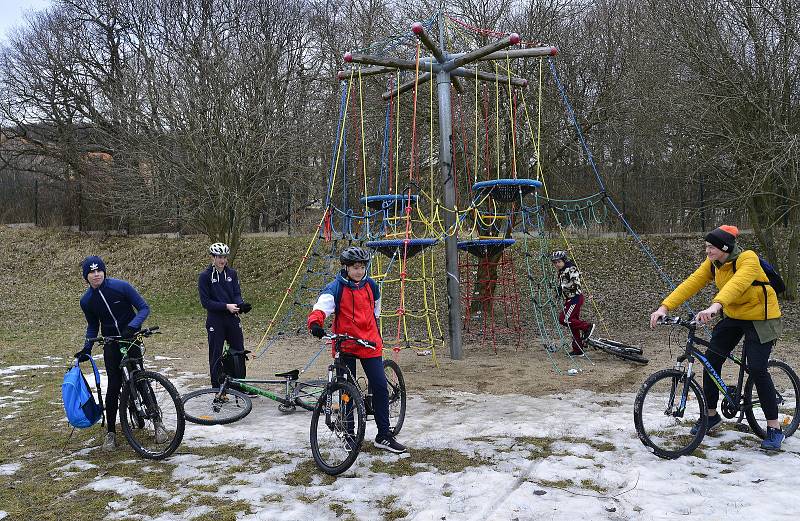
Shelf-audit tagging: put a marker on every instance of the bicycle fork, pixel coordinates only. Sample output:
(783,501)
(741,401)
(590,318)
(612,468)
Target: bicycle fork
(678,411)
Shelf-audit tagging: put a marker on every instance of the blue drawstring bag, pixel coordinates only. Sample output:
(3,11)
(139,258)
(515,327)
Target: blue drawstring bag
(82,411)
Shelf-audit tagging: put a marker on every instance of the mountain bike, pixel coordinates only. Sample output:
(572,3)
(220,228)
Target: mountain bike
(340,416)
(624,351)
(671,402)
(150,408)
(230,402)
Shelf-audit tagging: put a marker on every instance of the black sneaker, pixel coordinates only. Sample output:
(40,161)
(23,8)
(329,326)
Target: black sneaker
(388,442)
(713,421)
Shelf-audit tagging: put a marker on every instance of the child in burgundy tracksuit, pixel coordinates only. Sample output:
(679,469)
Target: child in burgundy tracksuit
(355,299)
(569,280)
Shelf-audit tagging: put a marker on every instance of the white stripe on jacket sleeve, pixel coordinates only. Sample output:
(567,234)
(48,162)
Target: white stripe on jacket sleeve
(325,304)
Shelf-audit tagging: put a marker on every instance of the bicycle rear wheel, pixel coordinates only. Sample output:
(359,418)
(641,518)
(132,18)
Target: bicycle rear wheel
(654,414)
(206,407)
(787,389)
(397,395)
(153,421)
(337,427)
(307,393)
(619,349)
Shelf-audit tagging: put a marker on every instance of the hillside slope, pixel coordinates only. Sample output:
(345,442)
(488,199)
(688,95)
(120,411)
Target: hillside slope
(41,285)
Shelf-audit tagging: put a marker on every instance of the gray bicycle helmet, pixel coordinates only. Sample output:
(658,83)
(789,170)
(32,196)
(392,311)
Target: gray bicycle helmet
(354,254)
(558,255)
(219,248)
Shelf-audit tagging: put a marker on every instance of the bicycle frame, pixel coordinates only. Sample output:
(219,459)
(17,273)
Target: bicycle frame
(290,381)
(691,353)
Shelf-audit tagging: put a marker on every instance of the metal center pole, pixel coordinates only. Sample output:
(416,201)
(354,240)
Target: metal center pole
(451,240)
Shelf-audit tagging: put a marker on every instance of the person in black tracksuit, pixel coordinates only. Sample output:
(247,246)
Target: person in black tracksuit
(220,294)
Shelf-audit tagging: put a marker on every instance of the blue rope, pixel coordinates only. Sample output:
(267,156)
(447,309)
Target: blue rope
(608,201)
(342,103)
(385,152)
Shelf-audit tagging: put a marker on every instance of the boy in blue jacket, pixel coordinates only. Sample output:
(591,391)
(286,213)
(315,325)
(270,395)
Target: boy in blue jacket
(114,308)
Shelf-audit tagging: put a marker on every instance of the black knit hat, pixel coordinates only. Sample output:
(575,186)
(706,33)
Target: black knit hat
(723,237)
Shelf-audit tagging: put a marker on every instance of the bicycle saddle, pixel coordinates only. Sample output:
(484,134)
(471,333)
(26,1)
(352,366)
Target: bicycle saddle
(291,375)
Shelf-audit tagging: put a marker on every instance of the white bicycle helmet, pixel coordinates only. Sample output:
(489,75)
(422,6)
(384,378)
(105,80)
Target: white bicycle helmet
(219,248)
(558,255)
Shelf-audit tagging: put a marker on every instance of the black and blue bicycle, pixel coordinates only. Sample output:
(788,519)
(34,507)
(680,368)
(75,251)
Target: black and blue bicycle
(671,402)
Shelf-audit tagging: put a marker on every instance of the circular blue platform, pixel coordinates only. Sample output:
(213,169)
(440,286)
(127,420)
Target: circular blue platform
(507,190)
(485,247)
(385,201)
(411,246)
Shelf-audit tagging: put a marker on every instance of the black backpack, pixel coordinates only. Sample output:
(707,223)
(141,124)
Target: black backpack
(775,279)
(234,363)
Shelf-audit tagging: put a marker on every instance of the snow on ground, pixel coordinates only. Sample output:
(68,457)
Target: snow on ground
(595,466)
(472,457)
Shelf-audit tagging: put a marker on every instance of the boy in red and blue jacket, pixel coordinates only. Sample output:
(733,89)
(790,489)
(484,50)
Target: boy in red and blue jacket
(355,300)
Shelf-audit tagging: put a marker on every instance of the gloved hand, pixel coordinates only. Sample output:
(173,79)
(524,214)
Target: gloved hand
(84,354)
(317,330)
(244,307)
(129,332)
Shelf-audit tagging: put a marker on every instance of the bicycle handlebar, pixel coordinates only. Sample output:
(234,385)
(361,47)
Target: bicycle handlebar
(677,321)
(144,332)
(337,339)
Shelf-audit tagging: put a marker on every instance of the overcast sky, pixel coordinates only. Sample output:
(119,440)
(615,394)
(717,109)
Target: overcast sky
(14,13)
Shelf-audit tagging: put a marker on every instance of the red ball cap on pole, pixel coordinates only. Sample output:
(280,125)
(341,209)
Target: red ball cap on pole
(417,28)
(513,38)
(348,57)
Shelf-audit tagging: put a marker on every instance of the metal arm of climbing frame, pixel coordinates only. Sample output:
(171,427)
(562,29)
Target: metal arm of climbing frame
(366,71)
(395,63)
(488,76)
(407,86)
(419,31)
(511,39)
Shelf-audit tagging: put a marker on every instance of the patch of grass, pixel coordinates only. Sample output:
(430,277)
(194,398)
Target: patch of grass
(699,453)
(592,485)
(341,510)
(726,461)
(600,446)
(699,474)
(420,460)
(731,445)
(222,509)
(562,483)
(303,475)
(727,471)
(609,403)
(390,512)
(542,447)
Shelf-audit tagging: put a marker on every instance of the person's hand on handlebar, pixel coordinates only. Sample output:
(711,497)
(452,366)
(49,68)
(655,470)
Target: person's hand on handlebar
(710,312)
(660,313)
(317,330)
(84,354)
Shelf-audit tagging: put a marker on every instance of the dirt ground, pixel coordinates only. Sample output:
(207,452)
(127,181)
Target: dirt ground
(527,370)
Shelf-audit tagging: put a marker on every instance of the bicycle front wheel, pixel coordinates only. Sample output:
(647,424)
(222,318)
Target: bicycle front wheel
(786,392)
(208,407)
(337,427)
(307,393)
(151,415)
(626,352)
(397,395)
(660,424)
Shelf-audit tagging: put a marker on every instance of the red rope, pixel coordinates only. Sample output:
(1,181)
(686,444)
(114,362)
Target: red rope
(490,32)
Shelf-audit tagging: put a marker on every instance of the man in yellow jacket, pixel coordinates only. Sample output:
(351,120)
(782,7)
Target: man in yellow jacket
(750,310)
